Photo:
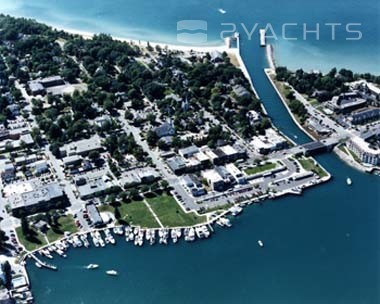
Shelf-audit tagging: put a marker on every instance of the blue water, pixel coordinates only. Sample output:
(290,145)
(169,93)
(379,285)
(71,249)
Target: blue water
(156,21)
(321,248)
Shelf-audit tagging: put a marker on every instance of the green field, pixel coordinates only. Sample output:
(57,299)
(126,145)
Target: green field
(310,165)
(260,168)
(135,213)
(65,223)
(171,214)
(31,245)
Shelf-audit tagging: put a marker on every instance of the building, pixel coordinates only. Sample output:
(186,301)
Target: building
(269,142)
(33,194)
(226,154)
(240,91)
(194,185)
(166,129)
(7,170)
(368,153)
(36,88)
(26,159)
(215,181)
(188,151)
(94,215)
(317,127)
(52,81)
(364,116)
(254,117)
(40,167)
(82,147)
(72,161)
(347,102)
(177,165)
(93,185)
(237,174)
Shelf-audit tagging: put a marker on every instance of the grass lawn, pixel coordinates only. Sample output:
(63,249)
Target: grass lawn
(30,245)
(310,165)
(261,168)
(135,213)
(342,148)
(171,214)
(65,223)
(356,158)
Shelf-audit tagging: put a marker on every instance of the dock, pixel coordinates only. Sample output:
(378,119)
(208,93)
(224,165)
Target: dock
(43,264)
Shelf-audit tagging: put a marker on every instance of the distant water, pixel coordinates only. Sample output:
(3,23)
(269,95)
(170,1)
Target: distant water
(321,248)
(156,21)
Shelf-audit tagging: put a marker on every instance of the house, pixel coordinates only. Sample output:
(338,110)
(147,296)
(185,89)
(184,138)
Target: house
(240,91)
(166,129)
(216,56)
(254,117)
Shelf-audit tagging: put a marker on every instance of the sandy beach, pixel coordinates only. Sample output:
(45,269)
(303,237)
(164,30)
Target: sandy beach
(142,43)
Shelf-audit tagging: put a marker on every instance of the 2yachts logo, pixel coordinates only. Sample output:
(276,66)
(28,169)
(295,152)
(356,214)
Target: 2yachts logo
(192,31)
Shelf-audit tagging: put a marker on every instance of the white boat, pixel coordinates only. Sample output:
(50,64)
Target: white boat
(92,266)
(235,210)
(112,272)
(38,265)
(261,244)
(222,11)
(173,235)
(349,181)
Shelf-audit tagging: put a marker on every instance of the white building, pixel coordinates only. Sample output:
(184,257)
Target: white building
(364,151)
(214,179)
(236,173)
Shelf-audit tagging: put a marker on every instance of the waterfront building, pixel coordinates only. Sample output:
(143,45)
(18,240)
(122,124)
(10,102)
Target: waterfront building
(366,152)
(269,142)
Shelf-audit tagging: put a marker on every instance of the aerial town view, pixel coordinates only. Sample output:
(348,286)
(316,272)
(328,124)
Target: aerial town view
(186,153)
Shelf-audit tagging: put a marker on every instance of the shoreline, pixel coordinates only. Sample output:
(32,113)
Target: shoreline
(222,47)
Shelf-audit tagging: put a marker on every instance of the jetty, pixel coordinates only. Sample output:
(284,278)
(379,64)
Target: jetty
(262,37)
(43,264)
